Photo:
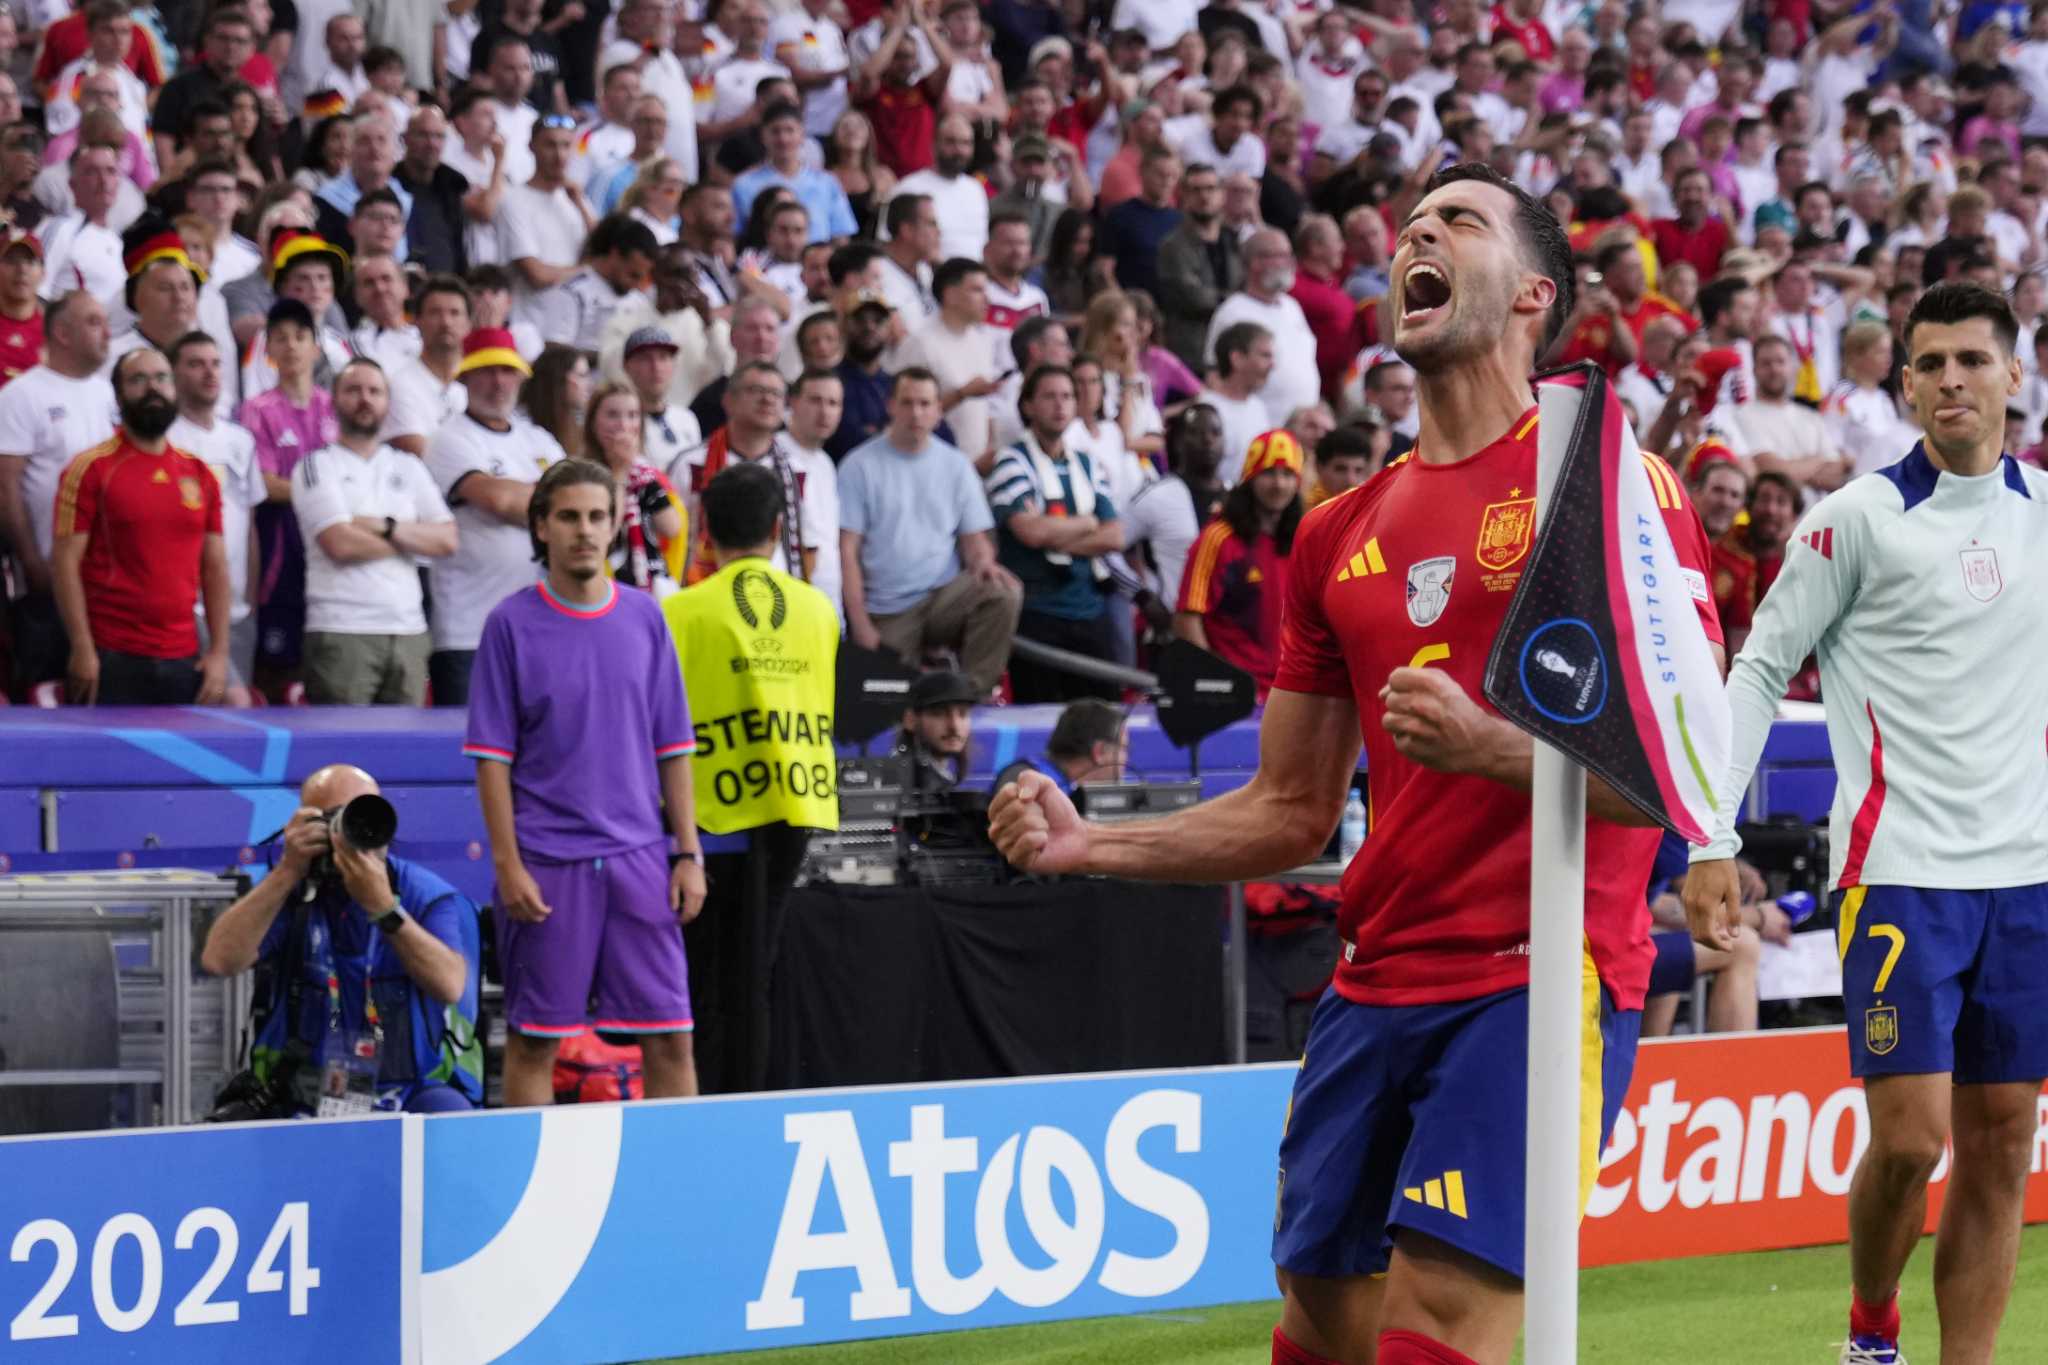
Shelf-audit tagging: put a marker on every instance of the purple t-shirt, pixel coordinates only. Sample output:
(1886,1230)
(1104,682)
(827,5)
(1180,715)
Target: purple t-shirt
(583,703)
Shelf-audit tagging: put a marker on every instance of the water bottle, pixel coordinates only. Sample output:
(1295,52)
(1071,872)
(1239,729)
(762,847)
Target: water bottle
(1351,832)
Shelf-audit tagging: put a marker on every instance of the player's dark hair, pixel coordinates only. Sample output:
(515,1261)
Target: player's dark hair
(1083,725)
(1235,340)
(1029,333)
(444,284)
(1717,296)
(1959,301)
(913,374)
(195,337)
(1770,478)
(902,211)
(1544,243)
(849,260)
(740,505)
(951,274)
(1343,443)
(1039,375)
(556,477)
(623,234)
(1241,513)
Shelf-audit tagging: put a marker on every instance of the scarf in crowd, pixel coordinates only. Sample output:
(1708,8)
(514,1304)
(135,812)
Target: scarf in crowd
(718,454)
(636,557)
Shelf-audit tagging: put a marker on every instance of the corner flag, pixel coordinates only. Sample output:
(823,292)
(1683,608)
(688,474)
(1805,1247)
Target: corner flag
(1603,661)
(1602,654)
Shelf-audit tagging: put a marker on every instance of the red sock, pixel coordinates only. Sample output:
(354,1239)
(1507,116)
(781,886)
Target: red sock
(1413,1348)
(1286,1352)
(1881,1322)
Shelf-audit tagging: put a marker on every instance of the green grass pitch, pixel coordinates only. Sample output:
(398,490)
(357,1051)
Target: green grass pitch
(1768,1308)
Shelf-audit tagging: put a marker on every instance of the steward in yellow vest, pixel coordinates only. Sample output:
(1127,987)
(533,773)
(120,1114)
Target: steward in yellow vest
(759,652)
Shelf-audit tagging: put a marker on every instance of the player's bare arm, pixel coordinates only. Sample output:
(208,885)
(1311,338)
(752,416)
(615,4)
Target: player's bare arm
(1713,903)
(1282,818)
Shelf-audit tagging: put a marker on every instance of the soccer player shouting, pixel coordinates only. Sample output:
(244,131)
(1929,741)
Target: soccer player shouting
(1404,1152)
(1924,588)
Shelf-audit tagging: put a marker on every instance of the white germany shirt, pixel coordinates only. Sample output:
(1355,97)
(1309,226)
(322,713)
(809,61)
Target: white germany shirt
(375,596)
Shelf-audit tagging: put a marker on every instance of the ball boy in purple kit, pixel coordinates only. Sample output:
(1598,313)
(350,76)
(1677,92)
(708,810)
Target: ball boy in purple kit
(582,739)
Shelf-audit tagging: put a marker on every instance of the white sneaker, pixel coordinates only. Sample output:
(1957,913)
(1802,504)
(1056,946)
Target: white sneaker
(1871,1351)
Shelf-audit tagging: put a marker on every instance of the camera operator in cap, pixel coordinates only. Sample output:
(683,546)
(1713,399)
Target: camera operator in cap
(937,727)
(366,969)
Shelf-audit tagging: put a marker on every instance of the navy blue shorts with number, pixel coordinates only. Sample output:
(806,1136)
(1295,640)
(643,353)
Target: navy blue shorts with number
(1414,1116)
(1945,981)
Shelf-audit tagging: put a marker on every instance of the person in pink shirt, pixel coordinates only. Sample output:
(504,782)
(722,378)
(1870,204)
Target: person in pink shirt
(103,127)
(2000,120)
(289,423)
(1565,89)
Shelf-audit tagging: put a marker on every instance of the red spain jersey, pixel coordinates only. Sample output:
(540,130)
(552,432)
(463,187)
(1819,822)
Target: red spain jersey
(1533,35)
(1239,591)
(21,344)
(146,518)
(1741,578)
(1416,568)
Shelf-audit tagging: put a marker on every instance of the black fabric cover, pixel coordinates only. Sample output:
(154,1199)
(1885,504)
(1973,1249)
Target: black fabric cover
(1561,609)
(878,985)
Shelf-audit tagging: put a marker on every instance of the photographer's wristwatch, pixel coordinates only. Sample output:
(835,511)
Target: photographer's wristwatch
(392,920)
(390,527)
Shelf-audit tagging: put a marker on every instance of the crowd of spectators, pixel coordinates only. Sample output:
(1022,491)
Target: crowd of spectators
(1050,316)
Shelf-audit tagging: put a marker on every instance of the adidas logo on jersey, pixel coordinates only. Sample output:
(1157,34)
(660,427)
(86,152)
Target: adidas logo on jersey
(1363,562)
(1822,540)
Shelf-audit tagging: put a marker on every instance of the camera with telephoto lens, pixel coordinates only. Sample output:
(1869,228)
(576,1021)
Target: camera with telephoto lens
(367,823)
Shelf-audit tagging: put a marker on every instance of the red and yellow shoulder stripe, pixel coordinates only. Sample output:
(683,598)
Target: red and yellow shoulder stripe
(74,478)
(1663,482)
(1202,564)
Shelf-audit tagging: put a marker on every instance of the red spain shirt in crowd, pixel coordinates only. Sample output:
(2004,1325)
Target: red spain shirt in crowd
(21,344)
(906,119)
(1702,247)
(1416,569)
(146,518)
(1592,338)
(1237,588)
(1741,578)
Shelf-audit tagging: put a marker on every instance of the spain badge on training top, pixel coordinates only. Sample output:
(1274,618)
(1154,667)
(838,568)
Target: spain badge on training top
(1602,654)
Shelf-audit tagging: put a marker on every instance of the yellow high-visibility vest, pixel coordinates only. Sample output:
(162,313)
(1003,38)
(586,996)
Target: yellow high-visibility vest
(759,650)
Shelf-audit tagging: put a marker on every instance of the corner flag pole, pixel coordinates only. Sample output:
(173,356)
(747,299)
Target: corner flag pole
(1557,915)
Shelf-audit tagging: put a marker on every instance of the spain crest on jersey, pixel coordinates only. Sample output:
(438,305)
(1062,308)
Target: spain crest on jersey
(1505,531)
(1602,653)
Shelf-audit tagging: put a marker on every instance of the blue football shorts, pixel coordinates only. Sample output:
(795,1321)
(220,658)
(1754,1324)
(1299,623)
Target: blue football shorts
(1415,1116)
(1945,981)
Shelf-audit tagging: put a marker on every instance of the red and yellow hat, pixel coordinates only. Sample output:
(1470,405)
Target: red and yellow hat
(323,104)
(1276,449)
(489,347)
(162,246)
(289,244)
(10,238)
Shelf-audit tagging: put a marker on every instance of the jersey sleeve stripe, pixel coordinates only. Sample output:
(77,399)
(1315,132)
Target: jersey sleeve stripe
(688,746)
(1207,551)
(485,751)
(74,477)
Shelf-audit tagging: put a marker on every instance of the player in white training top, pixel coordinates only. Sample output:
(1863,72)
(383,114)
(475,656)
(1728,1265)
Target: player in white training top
(1924,589)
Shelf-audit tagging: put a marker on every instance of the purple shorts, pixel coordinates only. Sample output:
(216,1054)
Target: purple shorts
(610,954)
